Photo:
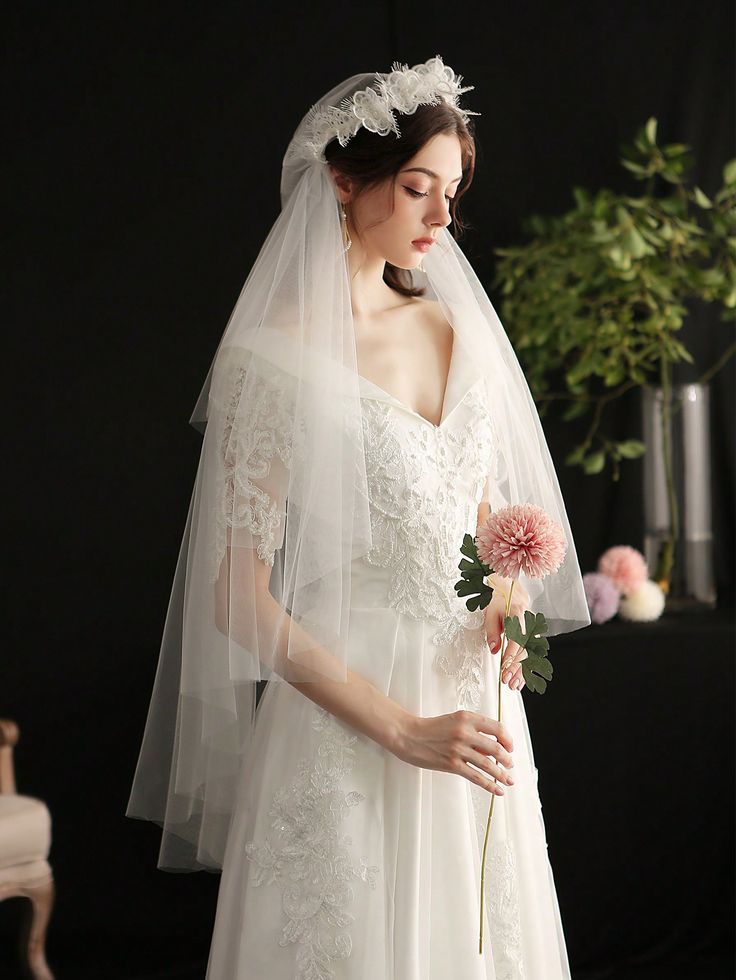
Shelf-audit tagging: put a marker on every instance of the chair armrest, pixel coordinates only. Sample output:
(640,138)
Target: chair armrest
(9,735)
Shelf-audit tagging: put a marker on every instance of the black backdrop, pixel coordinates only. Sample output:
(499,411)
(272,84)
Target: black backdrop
(142,157)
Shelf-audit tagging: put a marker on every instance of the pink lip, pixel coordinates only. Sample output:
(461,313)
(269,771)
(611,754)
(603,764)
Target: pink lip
(423,244)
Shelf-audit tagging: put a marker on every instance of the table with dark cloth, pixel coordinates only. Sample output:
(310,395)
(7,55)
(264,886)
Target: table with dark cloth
(634,742)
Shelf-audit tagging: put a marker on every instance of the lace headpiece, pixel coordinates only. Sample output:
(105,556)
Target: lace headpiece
(402,89)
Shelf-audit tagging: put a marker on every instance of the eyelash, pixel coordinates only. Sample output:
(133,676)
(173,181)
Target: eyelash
(420,194)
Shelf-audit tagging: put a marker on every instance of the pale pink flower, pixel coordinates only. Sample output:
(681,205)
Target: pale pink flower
(521,538)
(626,566)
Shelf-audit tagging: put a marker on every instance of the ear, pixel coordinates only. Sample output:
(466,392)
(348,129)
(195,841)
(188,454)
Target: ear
(343,184)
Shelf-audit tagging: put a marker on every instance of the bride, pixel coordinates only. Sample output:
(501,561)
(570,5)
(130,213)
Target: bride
(364,411)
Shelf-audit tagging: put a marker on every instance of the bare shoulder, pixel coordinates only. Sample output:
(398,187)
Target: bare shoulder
(431,313)
(433,308)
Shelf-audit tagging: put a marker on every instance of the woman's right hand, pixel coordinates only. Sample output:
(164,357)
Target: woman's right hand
(449,742)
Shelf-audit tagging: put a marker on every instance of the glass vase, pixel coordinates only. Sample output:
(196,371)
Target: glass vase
(678,536)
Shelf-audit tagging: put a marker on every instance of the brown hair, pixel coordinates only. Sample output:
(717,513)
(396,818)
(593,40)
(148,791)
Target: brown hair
(369,159)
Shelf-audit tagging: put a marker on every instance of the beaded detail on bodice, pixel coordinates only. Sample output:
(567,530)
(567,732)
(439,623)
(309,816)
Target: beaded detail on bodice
(424,485)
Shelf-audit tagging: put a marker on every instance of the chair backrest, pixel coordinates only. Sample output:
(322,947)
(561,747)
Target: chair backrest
(9,734)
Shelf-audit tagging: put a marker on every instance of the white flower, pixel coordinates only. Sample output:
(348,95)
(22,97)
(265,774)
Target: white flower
(644,604)
(402,89)
(374,112)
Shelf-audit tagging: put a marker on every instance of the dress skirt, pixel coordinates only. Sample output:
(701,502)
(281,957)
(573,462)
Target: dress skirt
(344,861)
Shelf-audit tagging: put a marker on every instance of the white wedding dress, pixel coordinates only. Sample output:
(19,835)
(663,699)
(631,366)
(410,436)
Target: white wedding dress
(343,861)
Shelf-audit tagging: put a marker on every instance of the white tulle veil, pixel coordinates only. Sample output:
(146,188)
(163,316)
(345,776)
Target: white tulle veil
(279,508)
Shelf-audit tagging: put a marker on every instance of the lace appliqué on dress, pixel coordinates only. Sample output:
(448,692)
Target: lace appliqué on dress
(503,910)
(501,893)
(310,854)
(247,447)
(418,519)
(465,660)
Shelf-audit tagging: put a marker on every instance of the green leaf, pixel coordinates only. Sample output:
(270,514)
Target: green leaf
(651,130)
(581,197)
(576,456)
(575,409)
(631,448)
(636,245)
(634,168)
(595,462)
(468,548)
(702,199)
(676,149)
(615,376)
(729,172)
(536,672)
(536,668)
(473,572)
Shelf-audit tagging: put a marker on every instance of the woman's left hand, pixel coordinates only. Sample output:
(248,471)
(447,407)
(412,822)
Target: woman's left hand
(495,611)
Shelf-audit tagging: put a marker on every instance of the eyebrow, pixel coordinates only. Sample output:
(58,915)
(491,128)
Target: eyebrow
(430,173)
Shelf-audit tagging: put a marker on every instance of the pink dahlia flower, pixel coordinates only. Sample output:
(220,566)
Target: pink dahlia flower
(626,566)
(521,538)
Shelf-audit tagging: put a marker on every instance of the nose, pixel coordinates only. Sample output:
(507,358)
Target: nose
(440,215)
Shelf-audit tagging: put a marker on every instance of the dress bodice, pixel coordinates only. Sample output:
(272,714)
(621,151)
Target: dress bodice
(424,485)
(425,482)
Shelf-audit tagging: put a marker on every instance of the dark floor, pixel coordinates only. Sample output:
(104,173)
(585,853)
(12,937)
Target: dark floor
(716,969)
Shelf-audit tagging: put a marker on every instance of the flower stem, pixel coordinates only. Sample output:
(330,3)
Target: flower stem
(504,644)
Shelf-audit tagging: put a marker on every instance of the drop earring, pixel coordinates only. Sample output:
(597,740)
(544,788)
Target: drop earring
(347,240)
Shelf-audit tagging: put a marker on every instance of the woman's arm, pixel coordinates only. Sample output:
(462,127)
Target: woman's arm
(460,742)
(355,701)
(446,742)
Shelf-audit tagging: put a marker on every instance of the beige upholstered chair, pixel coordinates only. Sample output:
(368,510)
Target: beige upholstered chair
(25,840)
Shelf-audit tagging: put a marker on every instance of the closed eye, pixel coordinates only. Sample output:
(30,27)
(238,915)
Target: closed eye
(415,193)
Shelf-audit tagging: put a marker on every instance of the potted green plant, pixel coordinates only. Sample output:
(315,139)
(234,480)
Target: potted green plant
(594,300)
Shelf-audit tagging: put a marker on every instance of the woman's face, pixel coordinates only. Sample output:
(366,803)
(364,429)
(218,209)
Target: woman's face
(421,204)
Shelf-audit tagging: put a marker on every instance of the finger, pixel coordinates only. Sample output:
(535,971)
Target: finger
(513,656)
(481,779)
(513,669)
(516,667)
(491,746)
(519,611)
(510,655)
(491,768)
(493,634)
(496,729)
(497,622)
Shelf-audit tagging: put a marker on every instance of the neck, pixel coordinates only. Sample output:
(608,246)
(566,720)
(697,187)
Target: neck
(369,294)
